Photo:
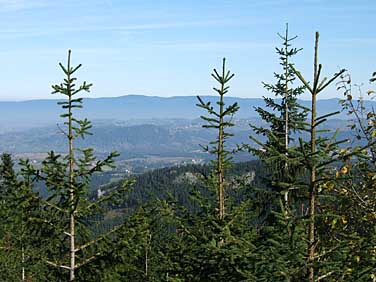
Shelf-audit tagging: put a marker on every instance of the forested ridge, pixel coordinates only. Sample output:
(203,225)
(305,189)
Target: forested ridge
(303,210)
(178,183)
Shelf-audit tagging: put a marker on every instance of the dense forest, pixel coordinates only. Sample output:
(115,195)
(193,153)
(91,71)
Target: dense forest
(303,210)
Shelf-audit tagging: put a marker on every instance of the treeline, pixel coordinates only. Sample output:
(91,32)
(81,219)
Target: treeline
(306,211)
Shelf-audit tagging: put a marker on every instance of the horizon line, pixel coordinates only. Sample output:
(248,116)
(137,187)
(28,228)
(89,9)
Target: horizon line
(150,96)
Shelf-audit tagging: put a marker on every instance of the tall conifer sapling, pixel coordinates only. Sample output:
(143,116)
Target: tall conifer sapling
(319,152)
(220,119)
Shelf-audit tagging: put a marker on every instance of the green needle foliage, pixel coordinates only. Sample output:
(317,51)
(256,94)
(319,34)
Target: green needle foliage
(281,230)
(69,210)
(319,153)
(211,245)
(220,120)
(312,219)
(284,117)
(10,246)
(20,209)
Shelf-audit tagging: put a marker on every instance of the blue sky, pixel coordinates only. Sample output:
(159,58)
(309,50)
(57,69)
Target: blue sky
(169,48)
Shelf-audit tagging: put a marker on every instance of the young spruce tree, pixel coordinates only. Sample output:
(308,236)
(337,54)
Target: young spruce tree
(213,240)
(279,216)
(67,178)
(318,153)
(285,117)
(220,119)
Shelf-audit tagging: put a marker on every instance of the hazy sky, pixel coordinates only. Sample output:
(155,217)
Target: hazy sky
(169,48)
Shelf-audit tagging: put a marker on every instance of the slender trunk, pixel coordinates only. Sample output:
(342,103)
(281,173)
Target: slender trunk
(312,191)
(146,264)
(221,193)
(286,111)
(147,249)
(312,160)
(286,94)
(71,184)
(23,264)
(22,245)
(72,244)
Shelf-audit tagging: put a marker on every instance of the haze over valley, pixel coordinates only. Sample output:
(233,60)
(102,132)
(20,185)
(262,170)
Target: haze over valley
(148,132)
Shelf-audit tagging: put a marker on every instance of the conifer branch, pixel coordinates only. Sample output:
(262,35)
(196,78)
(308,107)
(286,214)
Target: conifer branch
(57,265)
(88,260)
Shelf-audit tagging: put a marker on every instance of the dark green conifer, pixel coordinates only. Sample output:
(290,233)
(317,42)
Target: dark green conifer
(284,117)
(220,119)
(19,209)
(281,230)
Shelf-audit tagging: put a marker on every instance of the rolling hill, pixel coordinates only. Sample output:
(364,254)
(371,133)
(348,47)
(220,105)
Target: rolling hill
(36,113)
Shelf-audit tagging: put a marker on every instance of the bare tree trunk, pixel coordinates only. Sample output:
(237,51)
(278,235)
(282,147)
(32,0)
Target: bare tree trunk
(286,110)
(72,213)
(286,94)
(23,264)
(71,186)
(147,249)
(312,191)
(221,192)
(312,162)
(72,248)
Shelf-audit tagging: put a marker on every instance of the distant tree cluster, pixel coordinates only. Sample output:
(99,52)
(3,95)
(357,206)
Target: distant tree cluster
(305,210)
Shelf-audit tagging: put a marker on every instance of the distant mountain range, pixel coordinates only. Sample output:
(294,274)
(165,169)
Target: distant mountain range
(36,113)
(172,138)
(143,129)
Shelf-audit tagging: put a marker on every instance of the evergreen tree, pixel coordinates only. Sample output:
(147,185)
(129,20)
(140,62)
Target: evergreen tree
(20,212)
(69,209)
(318,153)
(284,117)
(279,217)
(9,247)
(220,119)
(209,244)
